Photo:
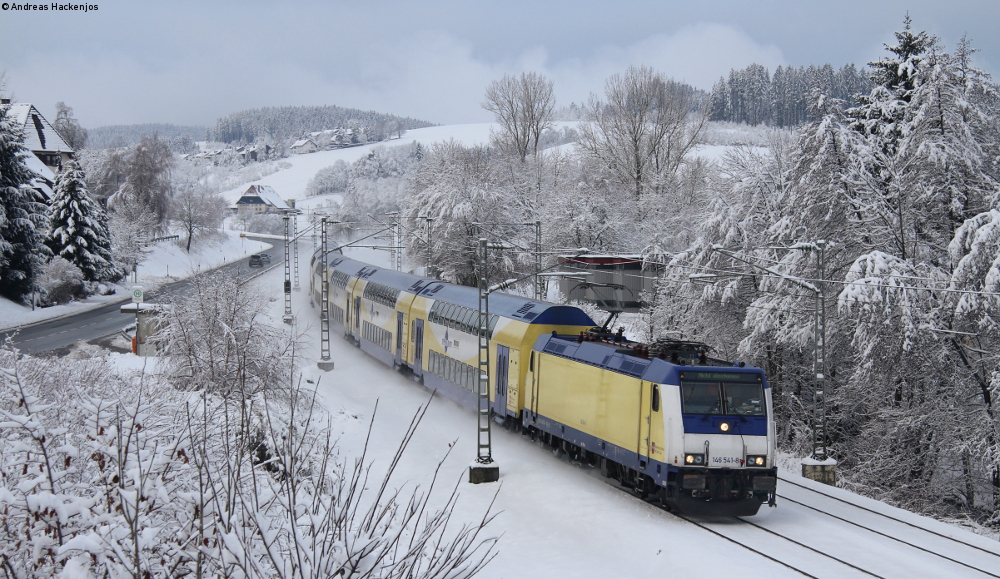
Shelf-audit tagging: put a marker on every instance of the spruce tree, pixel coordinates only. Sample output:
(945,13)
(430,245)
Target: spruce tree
(880,112)
(78,226)
(22,214)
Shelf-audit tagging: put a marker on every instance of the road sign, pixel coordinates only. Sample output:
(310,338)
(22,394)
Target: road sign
(137,294)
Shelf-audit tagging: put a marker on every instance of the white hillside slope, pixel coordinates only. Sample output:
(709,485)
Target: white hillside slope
(291,183)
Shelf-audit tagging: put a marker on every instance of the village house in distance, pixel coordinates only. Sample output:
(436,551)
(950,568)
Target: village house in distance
(262,199)
(48,149)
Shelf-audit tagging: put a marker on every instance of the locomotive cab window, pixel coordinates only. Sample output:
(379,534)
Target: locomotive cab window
(702,397)
(738,397)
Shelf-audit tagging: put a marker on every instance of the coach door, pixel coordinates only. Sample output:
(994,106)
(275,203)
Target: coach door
(649,402)
(500,383)
(357,316)
(513,380)
(535,369)
(399,338)
(418,347)
(347,312)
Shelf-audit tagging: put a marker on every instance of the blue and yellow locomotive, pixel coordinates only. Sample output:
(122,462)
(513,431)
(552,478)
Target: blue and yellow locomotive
(678,428)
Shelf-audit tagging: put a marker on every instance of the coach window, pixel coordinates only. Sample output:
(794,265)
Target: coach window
(470,320)
(656,396)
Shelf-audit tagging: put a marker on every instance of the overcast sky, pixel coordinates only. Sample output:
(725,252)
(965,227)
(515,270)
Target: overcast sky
(192,62)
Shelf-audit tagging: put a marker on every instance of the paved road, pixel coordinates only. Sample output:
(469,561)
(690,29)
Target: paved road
(61,332)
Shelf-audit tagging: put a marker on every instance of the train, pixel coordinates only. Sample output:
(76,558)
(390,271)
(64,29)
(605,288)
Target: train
(678,428)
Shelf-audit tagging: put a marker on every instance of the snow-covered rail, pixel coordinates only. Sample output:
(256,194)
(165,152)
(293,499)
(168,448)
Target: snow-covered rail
(781,562)
(897,539)
(800,541)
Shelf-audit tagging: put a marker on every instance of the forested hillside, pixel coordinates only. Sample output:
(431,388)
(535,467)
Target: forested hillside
(754,96)
(130,135)
(278,124)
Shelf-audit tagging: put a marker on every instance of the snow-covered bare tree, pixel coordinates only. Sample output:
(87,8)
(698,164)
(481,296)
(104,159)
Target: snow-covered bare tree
(397,127)
(332,179)
(58,282)
(198,212)
(106,169)
(643,129)
(148,178)
(131,228)
(78,227)
(68,127)
(219,337)
(22,214)
(523,108)
(455,188)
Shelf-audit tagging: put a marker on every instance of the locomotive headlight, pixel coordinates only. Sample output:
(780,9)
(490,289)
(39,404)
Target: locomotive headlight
(694,459)
(724,426)
(756,460)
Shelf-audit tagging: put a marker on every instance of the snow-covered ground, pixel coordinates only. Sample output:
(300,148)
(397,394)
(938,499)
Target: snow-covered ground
(167,262)
(556,519)
(291,183)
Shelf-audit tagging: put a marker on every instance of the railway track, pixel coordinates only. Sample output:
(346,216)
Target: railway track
(987,554)
(905,546)
(802,556)
(783,561)
(987,563)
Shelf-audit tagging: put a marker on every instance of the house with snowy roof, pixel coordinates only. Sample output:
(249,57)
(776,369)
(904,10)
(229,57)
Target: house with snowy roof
(261,199)
(49,150)
(303,146)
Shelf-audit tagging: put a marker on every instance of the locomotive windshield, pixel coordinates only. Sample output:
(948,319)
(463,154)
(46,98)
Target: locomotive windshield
(739,397)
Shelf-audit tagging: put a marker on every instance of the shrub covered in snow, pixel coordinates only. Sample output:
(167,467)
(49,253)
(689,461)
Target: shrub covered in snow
(111,475)
(59,282)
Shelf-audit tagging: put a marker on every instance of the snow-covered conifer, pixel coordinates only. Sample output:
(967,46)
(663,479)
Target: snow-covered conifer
(78,226)
(22,214)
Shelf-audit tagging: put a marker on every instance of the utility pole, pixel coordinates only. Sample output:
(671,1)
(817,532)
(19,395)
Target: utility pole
(397,251)
(538,287)
(295,247)
(427,246)
(819,466)
(325,363)
(485,469)
(539,281)
(287,318)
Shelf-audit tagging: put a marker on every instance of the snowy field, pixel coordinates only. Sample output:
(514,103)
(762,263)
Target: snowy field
(166,263)
(291,183)
(559,520)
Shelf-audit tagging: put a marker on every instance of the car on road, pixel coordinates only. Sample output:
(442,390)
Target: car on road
(265,258)
(256,260)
